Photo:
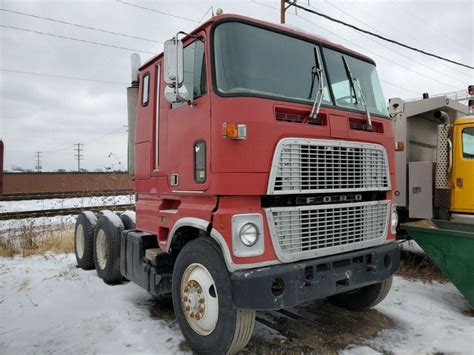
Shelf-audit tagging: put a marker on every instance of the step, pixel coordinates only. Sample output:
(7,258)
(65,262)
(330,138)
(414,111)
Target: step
(152,254)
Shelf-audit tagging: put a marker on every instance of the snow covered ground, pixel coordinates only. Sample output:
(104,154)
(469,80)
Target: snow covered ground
(48,305)
(60,203)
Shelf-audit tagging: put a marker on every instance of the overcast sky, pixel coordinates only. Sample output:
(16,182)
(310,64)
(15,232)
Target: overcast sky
(39,113)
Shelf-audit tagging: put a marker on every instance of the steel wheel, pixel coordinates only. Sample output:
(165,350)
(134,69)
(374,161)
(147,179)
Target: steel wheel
(199,299)
(101,249)
(80,241)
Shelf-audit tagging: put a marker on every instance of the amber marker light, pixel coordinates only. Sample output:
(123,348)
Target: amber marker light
(234,131)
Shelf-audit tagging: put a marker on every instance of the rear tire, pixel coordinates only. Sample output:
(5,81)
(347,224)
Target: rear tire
(363,298)
(84,240)
(128,221)
(202,301)
(107,238)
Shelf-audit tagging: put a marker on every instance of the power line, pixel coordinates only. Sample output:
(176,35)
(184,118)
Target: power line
(293,3)
(397,86)
(207,11)
(78,155)
(75,39)
(379,55)
(62,77)
(78,25)
(423,23)
(157,11)
(389,48)
(450,67)
(364,49)
(96,139)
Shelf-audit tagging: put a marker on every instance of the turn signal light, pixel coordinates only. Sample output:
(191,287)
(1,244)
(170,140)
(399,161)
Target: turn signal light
(234,131)
(399,146)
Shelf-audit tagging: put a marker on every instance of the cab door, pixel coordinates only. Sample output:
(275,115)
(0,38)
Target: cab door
(462,198)
(188,128)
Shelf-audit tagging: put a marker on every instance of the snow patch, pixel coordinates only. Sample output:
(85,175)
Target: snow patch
(430,318)
(411,246)
(47,305)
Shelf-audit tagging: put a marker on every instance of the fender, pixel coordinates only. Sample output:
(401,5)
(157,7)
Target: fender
(198,223)
(203,225)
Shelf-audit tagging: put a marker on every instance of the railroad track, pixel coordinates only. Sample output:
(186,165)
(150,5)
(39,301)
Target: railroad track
(62,211)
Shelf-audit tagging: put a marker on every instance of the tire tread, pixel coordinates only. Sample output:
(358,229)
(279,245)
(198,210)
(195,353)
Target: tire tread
(87,260)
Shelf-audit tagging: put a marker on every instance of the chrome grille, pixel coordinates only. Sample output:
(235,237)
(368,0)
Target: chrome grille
(311,231)
(313,165)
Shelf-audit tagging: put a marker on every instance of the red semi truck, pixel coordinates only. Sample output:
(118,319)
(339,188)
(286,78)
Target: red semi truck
(264,165)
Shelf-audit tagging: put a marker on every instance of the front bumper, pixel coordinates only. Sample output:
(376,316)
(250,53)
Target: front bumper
(287,285)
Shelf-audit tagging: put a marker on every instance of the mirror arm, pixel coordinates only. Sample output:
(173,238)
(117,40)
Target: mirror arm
(176,81)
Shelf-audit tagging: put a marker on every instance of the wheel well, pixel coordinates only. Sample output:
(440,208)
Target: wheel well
(185,234)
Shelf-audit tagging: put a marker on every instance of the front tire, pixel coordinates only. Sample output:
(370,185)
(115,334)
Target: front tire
(202,301)
(363,298)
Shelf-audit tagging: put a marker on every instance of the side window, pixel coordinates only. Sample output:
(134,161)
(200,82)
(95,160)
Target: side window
(468,143)
(195,79)
(146,89)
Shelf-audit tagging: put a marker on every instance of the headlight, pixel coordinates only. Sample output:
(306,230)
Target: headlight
(394,220)
(248,234)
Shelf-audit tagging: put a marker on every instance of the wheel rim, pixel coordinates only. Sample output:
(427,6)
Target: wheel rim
(199,299)
(101,249)
(80,242)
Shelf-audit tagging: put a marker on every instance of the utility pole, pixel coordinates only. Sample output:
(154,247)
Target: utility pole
(78,154)
(282,11)
(38,162)
(283,8)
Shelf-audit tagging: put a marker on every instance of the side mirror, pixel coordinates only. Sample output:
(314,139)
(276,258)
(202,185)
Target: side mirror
(173,62)
(174,97)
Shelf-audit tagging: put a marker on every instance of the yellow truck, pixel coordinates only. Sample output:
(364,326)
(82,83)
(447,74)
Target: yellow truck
(462,174)
(434,143)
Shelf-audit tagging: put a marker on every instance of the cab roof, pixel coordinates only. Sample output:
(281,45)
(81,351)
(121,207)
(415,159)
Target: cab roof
(279,28)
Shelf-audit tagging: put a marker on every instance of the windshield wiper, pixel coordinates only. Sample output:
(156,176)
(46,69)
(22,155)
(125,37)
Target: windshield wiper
(354,82)
(316,72)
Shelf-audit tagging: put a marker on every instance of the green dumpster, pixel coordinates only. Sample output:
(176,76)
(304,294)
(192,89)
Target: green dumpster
(451,246)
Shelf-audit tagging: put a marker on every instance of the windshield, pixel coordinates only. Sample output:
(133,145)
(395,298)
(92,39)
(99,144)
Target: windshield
(254,61)
(251,60)
(362,71)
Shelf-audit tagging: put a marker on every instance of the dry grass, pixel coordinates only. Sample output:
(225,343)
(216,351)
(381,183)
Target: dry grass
(419,266)
(33,240)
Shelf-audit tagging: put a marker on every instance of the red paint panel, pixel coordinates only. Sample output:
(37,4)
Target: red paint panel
(339,126)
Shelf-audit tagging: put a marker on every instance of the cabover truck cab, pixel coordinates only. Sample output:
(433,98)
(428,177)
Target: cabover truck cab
(264,164)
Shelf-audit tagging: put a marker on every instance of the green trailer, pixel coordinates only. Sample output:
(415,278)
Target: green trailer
(451,246)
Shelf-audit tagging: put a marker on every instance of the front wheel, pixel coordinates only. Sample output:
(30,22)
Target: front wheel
(202,302)
(364,297)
